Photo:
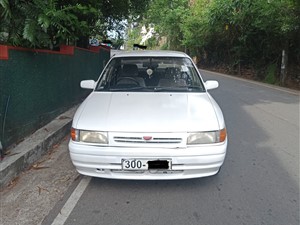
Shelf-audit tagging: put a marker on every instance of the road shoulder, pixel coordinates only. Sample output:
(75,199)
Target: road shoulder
(30,198)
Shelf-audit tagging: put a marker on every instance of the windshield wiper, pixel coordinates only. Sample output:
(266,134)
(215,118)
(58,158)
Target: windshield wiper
(167,89)
(195,88)
(182,88)
(129,88)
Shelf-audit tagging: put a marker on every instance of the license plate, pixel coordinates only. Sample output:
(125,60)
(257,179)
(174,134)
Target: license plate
(145,164)
(134,164)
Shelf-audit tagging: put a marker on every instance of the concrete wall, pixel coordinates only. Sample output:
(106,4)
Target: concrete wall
(38,85)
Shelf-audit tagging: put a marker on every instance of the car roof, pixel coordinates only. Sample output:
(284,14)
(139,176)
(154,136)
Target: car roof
(150,53)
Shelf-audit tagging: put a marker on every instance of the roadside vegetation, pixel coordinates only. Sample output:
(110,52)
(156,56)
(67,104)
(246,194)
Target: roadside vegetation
(259,39)
(243,37)
(48,24)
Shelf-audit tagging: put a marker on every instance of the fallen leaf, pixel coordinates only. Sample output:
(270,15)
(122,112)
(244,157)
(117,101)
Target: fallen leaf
(37,166)
(42,189)
(13,182)
(11,154)
(40,167)
(77,177)
(64,117)
(7,152)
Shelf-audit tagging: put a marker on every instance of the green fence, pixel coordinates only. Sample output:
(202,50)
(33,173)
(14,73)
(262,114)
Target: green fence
(36,86)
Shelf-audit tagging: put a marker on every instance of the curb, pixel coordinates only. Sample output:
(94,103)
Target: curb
(34,147)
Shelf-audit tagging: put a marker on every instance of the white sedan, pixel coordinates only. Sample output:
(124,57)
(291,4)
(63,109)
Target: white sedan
(149,117)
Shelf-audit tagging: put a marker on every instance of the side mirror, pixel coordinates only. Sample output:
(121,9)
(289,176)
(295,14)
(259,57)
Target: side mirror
(87,84)
(211,84)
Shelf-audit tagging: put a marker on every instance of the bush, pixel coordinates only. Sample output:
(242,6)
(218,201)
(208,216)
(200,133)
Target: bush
(271,74)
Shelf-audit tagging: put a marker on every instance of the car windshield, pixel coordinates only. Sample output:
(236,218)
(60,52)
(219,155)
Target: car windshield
(148,74)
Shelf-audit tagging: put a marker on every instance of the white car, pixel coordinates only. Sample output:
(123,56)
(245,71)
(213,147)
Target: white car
(149,117)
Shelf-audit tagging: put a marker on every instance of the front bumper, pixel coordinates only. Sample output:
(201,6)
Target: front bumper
(105,162)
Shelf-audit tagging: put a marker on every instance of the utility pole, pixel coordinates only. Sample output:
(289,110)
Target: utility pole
(284,59)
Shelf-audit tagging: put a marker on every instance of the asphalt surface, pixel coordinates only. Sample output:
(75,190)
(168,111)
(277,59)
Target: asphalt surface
(258,183)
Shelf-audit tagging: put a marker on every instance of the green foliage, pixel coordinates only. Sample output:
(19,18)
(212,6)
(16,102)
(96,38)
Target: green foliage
(168,16)
(134,36)
(271,74)
(152,43)
(231,32)
(40,23)
(47,24)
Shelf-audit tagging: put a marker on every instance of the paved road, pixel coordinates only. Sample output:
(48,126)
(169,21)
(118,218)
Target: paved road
(258,184)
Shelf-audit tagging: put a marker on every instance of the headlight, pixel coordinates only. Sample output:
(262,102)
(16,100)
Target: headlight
(207,137)
(89,136)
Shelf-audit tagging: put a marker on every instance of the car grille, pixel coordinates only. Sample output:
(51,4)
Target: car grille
(152,141)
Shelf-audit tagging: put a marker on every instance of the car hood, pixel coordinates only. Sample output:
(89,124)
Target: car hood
(147,112)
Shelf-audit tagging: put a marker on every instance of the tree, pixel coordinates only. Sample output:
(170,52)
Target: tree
(40,23)
(168,17)
(252,32)
(236,33)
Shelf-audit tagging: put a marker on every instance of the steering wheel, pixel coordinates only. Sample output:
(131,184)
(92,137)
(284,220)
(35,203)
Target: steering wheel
(129,78)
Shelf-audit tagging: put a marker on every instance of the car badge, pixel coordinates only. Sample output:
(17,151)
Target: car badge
(147,138)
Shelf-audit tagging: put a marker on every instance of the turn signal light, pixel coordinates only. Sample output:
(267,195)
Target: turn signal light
(74,134)
(223,134)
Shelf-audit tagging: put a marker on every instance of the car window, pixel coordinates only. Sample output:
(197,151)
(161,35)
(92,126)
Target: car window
(150,74)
